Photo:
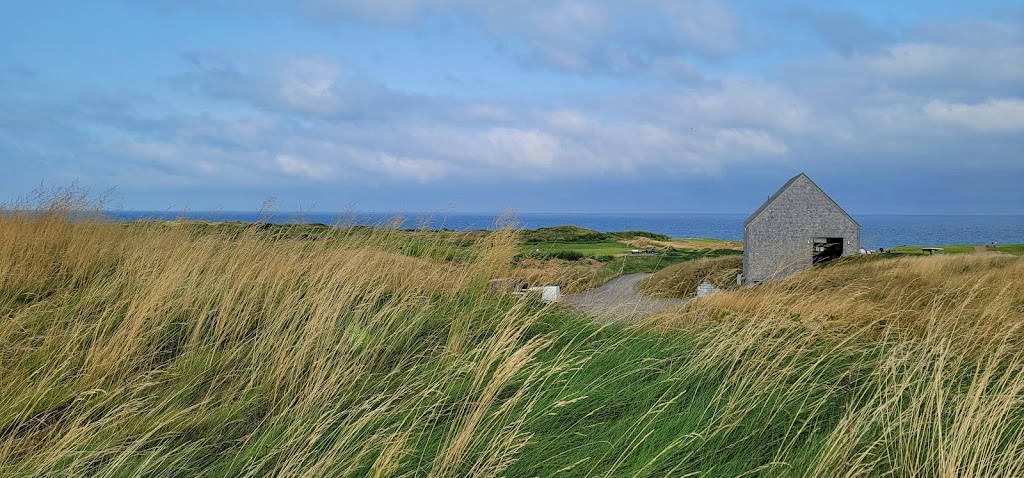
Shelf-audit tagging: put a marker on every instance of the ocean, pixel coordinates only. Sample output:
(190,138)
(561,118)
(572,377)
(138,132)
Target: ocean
(876,230)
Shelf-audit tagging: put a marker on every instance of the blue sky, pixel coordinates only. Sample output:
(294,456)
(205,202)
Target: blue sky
(530,106)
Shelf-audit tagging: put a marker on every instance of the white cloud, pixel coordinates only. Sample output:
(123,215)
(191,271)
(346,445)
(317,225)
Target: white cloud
(566,121)
(420,170)
(153,151)
(297,166)
(744,102)
(300,85)
(412,138)
(568,35)
(954,65)
(520,147)
(608,36)
(914,60)
(487,112)
(993,116)
(311,86)
(747,141)
(315,118)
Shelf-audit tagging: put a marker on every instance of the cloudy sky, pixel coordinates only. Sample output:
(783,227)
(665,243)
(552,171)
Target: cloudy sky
(530,105)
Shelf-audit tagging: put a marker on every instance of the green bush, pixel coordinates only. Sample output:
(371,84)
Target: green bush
(568,255)
(563,255)
(634,234)
(562,234)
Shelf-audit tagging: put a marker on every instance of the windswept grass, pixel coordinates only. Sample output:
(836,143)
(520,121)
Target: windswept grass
(694,244)
(150,349)
(146,348)
(576,276)
(908,296)
(682,280)
(919,360)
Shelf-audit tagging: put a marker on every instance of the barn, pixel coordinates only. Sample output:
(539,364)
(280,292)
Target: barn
(797,227)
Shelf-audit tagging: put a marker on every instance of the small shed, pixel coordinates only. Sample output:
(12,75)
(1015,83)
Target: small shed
(797,227)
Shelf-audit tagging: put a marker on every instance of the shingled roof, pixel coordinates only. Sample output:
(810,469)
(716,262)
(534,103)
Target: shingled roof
(786,186)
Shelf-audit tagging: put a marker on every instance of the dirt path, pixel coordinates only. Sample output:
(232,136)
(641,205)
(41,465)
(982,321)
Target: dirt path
(619,300)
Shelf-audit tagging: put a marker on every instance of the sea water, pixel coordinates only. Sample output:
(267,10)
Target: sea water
(876,230)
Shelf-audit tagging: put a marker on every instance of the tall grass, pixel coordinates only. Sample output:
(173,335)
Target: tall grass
(153,349)
(920,359)
(147,348)
(682,280)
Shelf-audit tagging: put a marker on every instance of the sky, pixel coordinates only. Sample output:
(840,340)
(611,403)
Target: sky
(910,107)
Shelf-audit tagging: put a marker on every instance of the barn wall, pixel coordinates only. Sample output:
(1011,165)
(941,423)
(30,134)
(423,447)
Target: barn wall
(777,241)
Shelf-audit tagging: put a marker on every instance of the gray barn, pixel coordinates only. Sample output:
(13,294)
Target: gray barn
(798,226)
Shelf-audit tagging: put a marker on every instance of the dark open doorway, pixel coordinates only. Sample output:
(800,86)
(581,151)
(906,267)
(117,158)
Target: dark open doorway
(827,249)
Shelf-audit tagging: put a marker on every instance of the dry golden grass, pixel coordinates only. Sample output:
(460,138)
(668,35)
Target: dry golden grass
(682,280)
(572,276)
(153,350)
(119,341)
(695,244)
(937,385)
(910,296)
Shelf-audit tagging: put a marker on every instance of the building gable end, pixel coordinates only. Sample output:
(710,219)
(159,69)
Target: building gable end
(753,217)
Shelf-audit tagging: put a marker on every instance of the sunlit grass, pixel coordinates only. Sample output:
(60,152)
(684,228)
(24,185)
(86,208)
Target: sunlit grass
(682,280)
(156,349)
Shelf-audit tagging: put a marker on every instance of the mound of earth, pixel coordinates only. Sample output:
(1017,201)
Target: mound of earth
(681,280)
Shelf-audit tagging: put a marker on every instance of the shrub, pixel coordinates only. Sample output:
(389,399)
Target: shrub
(568,255)
(635,234)
(562,234)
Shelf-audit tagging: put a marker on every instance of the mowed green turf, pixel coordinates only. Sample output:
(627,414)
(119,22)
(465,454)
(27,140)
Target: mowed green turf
(605,248)
(1016,249)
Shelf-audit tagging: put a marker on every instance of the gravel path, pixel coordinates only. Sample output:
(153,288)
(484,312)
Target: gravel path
(619,300)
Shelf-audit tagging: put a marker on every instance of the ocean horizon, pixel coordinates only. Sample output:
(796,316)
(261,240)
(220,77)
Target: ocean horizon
(877,230)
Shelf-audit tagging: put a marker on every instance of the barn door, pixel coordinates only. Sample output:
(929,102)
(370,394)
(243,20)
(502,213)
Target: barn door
(826,249)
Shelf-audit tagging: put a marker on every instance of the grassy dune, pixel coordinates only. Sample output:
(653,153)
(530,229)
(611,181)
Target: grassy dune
(682,280)
(160,350)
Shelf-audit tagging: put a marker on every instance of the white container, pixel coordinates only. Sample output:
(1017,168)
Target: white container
(551,293)
(705,288)
(548,293)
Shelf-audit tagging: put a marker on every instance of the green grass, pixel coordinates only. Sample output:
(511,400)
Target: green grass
(705,241)
(682,280)
(645,263)
(152,350)
(562,234)
(1015,249)
(947,249)
(578,234)
(639,405)
(607,247)
(634,234)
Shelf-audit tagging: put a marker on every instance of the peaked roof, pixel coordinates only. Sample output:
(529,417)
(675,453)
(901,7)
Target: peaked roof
(787,186)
